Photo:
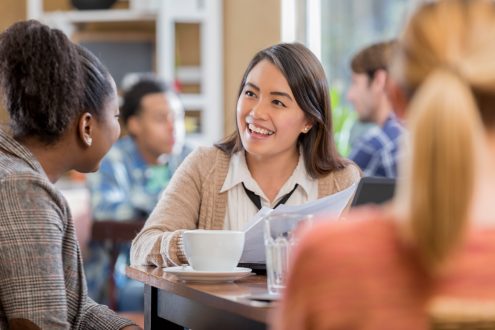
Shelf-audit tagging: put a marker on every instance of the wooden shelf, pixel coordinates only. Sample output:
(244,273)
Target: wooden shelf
(113,15)
(193,101)
(203,77)
(189,74)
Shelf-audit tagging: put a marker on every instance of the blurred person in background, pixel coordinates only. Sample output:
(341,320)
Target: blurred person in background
(429,256)
(376,151)
(132,177)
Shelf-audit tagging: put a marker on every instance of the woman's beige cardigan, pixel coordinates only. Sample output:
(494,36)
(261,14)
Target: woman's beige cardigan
(193,200)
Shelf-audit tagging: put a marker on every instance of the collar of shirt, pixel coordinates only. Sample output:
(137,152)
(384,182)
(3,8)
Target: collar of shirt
(126,150)
(392,121)
(12,146)
(390,117)
(238,173)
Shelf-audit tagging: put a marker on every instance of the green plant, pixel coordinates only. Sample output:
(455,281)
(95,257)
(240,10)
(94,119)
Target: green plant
(343,119)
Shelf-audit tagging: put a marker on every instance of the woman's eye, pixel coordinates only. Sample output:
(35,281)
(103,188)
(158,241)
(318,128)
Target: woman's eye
(278,103)
(249,93)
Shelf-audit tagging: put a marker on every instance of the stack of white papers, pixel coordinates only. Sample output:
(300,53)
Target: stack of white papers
(329,206)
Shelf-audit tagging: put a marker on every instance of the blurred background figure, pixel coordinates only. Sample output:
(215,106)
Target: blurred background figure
(132,176)
(429,258)
(375,152)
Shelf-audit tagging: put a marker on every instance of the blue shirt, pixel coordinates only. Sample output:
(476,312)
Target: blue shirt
(126,187)
(376,151)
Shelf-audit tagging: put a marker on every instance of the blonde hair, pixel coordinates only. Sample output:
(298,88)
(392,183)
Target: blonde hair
(445,62)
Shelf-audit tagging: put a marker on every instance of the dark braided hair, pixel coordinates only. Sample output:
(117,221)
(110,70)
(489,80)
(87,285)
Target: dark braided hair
(47,81)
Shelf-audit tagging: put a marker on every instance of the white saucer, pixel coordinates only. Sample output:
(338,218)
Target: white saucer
(186,273)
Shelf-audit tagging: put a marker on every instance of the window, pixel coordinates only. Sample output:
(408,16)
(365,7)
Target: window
(334,30)
(352,24)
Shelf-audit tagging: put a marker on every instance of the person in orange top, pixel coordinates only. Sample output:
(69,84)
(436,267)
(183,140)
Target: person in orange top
(433,247)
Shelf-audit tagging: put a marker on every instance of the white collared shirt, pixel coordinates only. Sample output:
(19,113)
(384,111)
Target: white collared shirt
(240,209)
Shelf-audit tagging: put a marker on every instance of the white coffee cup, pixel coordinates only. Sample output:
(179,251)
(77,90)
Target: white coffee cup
(213,250)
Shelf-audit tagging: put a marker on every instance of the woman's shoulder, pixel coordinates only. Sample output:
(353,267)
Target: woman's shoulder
(350,172)
(23,183)
(207,156)
(368,232)
(205,160)
(369,219)
(208,153)
(26,190)
(339,179)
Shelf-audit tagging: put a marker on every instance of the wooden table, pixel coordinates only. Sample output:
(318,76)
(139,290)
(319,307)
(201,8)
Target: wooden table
(173,304)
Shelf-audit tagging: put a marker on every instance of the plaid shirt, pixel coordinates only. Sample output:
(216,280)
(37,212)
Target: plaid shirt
(41,273)
(126,187)
(376,151)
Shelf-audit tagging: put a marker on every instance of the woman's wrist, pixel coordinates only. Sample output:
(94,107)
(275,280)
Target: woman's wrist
(181,254)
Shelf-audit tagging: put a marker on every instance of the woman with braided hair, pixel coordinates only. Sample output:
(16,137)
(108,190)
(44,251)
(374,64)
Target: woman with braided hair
(63,110)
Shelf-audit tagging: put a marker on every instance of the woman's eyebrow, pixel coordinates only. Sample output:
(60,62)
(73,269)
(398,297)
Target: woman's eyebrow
(253,86)
(282,94)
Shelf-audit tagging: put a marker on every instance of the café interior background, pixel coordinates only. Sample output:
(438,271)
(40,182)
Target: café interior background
(333,29)
(247,27)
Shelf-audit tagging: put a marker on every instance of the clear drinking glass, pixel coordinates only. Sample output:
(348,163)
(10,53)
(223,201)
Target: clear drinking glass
(280,238)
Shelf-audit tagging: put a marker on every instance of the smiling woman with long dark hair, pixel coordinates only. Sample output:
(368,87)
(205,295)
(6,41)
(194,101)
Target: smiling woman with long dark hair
(283,151)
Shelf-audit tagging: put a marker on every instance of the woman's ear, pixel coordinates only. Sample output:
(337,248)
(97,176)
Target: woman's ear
(307,126)
(397,98)
(85,129)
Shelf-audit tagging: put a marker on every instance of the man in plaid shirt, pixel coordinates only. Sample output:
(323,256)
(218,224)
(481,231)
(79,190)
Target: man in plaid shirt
(131,178)
(376,151)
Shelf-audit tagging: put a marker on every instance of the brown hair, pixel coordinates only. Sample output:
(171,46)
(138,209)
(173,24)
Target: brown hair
(373,58)
(308,83)
(445,64)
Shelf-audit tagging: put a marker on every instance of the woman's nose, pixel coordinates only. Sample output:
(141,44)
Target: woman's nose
(259,110)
